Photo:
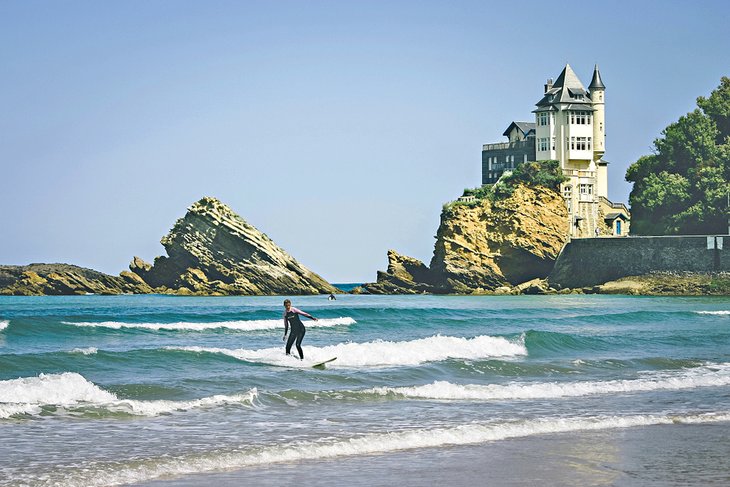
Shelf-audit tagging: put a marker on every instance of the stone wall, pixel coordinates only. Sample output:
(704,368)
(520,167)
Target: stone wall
(592,261)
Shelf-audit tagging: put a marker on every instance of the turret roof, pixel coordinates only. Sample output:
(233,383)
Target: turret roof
(596,82)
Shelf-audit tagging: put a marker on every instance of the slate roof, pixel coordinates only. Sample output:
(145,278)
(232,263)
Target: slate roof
(596,81)
(525,128)
(566,89)
(613,216)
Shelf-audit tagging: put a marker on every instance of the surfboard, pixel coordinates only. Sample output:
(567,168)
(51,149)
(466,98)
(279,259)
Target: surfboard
(321,365)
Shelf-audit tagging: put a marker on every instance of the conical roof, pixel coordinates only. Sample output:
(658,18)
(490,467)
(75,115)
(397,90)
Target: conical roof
(596,82)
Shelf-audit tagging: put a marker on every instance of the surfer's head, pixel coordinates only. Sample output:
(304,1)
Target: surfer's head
(287,304)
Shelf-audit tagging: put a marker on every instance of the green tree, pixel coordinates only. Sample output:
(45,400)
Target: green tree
(683,187)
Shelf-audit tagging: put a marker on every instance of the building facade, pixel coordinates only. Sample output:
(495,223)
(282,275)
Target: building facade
(569,127)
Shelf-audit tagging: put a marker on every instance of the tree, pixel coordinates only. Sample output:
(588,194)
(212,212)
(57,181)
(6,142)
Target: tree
(682,188)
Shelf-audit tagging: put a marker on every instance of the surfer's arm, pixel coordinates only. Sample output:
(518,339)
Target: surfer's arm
(286,325)
(303,313)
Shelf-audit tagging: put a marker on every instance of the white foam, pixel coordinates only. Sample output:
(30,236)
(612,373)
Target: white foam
(374,443)
(245,325)
(381,353)
(72,391)
(4,324)
(711,376)
(85,351)
(713,312)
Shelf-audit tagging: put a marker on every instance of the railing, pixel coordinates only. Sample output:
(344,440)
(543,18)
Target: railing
(616,206)
(522,144)
(579,173)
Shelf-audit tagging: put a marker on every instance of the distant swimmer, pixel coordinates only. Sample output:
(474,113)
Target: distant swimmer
(331,297)
(291,317)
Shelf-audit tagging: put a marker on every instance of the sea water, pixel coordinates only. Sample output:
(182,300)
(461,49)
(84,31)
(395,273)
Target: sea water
(426,390)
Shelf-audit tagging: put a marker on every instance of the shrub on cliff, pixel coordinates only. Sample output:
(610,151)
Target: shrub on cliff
(538,173)
(683,187)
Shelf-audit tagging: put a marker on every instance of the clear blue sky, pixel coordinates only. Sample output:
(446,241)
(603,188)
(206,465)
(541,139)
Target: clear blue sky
(337,128)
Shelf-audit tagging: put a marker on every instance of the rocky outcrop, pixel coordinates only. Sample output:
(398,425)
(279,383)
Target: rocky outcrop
(484,246)
(65,279)
(405,275)
(213,251)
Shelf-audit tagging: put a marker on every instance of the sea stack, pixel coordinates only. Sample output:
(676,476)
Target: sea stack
(213,251)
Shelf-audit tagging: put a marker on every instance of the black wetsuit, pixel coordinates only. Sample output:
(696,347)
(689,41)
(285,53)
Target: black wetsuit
(296,334)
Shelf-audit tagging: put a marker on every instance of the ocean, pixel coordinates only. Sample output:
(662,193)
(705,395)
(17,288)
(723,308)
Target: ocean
(426,390)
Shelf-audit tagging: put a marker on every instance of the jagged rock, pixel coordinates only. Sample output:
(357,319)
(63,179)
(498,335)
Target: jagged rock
(212,250)
(534,286)
(405,275)
(63,279)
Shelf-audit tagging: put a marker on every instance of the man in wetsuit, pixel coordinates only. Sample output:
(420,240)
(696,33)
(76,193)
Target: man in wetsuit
(291,317)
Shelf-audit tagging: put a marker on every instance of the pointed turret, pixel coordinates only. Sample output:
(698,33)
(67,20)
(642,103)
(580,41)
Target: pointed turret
(596,82)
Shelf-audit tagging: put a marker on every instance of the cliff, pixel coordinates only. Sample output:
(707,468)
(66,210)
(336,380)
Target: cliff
(213,251)
(486,245)
(65,279)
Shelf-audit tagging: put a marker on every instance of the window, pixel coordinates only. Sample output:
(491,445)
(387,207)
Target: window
(542,118)
(543,144)
(586,189)
(580,143)
(580,118)
(553,145)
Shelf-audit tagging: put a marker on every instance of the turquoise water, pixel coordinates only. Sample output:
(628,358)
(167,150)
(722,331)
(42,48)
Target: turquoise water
(114,390)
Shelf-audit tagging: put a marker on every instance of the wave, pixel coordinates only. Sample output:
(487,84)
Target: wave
(709,376)
(724,312)
(85,351)
(71,391)
(380,353)
(136,471)
(245,325)
(4,324)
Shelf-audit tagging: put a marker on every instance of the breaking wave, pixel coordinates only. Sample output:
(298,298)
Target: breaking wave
(709,376)
(71,391)
(381,353)
(245,325)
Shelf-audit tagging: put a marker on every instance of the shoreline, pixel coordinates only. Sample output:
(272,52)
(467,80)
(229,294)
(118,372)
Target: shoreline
(639,456)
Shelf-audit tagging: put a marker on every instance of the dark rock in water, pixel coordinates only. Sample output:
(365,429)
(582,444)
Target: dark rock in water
(405,275)
(65,279)
(213,251)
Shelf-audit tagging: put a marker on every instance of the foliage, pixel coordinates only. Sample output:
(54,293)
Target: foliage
(683,187)
(539,173)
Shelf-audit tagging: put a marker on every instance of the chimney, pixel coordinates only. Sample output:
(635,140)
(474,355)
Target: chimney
(548,85)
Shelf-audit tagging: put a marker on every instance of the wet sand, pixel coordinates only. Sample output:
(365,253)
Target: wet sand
(646,456)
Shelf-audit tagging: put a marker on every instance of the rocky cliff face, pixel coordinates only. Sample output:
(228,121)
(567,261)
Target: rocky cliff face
(65,279)
(212,250)
(487,245)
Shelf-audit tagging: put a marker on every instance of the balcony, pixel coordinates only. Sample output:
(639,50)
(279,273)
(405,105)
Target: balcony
(522,144)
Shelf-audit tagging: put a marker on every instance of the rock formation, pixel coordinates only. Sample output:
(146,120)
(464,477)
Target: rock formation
(405,275)
(213,251)
(65,279)
(487,245)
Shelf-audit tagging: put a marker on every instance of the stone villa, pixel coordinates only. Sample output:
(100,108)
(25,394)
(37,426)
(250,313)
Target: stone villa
(569,127)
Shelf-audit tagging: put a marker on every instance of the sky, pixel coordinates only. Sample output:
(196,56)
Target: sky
(338,128)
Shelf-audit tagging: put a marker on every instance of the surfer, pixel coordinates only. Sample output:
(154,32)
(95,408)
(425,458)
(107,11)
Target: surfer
(291,317)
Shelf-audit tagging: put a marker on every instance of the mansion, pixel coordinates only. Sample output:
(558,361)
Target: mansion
(569,127)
